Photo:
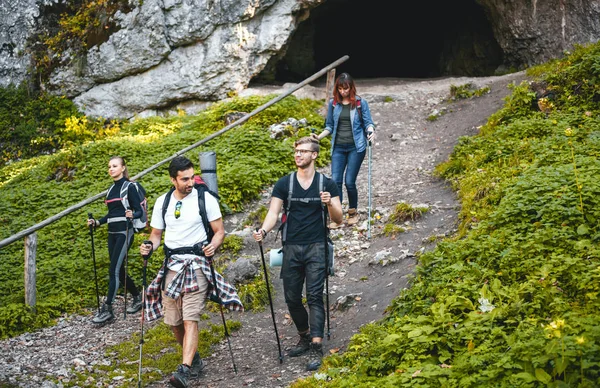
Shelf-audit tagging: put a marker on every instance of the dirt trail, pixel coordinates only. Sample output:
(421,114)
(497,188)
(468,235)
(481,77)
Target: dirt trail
(369,274)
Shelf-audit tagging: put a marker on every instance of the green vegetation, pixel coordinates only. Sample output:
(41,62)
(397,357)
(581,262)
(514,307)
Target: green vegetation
(33,124)
(256,217)
(158,340)
(402,212)
(462,92)
(512,300)
(406,212)
(392,230)
(232,244)
(247,160)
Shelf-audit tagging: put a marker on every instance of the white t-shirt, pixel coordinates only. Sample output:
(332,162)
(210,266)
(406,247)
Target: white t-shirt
(188,229)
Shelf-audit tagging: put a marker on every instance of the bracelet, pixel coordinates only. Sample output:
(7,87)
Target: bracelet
(264,232)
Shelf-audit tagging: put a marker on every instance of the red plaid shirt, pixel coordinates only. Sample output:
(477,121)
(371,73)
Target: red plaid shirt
(185,281)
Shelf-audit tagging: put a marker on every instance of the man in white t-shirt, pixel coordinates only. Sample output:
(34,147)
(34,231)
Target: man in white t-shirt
(180,289)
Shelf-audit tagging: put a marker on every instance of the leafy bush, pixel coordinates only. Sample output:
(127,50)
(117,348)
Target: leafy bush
(31,123)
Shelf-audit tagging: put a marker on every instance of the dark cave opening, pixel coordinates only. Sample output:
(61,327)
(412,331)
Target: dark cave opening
(390,39)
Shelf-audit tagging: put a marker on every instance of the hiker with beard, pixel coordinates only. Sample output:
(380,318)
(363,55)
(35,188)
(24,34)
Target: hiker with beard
(183,283)
(304,251)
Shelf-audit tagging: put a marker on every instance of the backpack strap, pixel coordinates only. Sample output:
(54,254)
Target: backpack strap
(202,209)
(359,111)
(124,194)
(323,212)
(288,205)
(164,212)
(166,204)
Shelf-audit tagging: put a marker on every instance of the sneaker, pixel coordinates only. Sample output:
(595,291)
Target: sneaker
(334,225)
(180,377)
(105,314)
(197,366)
(301,347)
(352,217)
(136,305)
(316,354)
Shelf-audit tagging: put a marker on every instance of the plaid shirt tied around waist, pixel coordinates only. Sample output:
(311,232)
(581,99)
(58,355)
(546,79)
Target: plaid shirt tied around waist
(185,282)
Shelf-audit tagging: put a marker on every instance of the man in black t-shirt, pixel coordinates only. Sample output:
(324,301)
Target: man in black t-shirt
(304,250)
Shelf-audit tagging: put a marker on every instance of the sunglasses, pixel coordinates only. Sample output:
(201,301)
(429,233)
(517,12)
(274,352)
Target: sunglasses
(178,209)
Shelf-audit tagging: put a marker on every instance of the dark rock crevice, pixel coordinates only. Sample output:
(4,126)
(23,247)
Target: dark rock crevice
(391,39)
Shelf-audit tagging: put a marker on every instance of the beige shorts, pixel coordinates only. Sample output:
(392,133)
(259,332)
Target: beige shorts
(187,307)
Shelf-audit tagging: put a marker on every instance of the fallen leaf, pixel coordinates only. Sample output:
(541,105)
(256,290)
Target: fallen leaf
(334,350)
(417,372)
(446,366)
(358,298)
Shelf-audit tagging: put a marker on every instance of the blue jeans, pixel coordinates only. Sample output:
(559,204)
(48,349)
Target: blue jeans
(302,262)
(345,157)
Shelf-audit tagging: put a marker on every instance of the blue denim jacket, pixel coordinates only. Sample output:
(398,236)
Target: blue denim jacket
(358,132)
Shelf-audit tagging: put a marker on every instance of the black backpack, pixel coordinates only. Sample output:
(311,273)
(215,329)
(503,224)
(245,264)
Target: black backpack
(202,188)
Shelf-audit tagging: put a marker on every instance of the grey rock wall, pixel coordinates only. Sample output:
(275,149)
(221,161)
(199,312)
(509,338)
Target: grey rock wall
(534,31)
(17,23)
(171,51)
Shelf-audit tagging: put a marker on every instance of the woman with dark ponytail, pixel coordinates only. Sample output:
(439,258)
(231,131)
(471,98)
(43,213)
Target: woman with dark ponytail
(120,237)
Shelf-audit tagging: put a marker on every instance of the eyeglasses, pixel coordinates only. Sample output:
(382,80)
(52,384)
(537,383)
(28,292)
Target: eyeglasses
(178,209)
(302,152)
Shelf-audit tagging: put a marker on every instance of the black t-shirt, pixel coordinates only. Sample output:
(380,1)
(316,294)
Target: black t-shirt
(305,222)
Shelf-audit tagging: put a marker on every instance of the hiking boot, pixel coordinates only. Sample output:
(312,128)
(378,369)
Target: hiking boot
(180,377)
(352,217)
(334,225)
(315,356)
(197,366)
(136,305)
(105,314)
(301,347)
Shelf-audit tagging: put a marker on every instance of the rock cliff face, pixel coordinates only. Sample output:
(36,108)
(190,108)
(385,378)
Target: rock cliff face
(532,31)
(167,52)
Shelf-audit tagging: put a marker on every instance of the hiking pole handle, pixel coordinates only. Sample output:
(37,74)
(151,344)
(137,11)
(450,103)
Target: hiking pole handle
(91,217)
(149,254)
(263,236)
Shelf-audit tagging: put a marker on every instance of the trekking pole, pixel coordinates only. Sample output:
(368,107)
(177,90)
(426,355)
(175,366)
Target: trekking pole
(214,278)
(145,257)
(369,151)
(326,269)
(126,260)
(90,217)
(262,255)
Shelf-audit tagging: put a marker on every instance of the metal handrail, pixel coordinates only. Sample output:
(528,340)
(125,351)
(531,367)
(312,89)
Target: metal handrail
(49,220)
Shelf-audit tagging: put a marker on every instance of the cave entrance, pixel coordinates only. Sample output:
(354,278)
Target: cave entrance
(423,39)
